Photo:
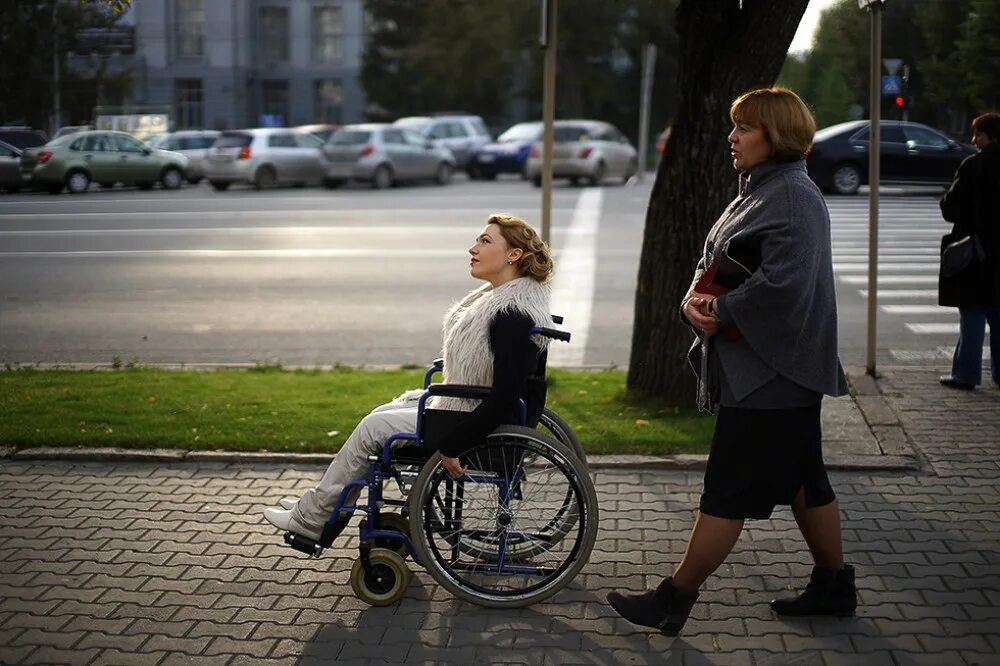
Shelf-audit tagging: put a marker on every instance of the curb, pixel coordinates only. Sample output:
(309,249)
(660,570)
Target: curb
(682,462)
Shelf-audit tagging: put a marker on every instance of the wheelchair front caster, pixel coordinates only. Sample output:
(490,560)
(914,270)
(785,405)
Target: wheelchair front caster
(396,523)
(384,582)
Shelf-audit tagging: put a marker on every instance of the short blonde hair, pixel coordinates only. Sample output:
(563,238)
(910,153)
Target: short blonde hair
(787,122)
(536,260)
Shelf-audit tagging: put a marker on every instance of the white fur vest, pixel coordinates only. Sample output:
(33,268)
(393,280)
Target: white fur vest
(468,358)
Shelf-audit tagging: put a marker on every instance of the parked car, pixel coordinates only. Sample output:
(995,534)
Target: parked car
(462,134)
(509,154)
(192,144)
(23,137)
(321,131)
(264,158)
(909,154)
(385,154)
(76,160)
(72,129)
(11,179)
(588,149)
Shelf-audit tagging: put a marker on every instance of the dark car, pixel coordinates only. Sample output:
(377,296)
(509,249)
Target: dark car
(909,154)
(11,179)
(23,137)
(509,154)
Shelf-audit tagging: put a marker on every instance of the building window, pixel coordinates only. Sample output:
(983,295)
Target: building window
(274,103)
(274,34)
(329,102)
(189,28)
(328,35)
(189,103)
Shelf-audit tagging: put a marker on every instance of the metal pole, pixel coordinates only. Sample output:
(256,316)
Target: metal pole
(56,83)
(548,115)
(874,148)
(648,63)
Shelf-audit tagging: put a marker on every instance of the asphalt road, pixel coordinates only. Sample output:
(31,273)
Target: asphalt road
(358,276)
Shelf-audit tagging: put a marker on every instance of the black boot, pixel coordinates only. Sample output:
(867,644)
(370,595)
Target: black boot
(829,592)
(666,608)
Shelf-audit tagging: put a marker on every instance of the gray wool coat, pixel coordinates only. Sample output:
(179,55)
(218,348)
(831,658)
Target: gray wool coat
(786,311)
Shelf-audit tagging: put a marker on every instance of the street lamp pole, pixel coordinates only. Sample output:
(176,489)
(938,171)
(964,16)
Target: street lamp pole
(875,7)
(547,40)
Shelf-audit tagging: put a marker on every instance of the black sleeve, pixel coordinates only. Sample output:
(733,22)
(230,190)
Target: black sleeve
(514,360)
(959,202)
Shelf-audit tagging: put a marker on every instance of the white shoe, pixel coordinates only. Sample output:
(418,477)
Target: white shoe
(287,503)
(284,520)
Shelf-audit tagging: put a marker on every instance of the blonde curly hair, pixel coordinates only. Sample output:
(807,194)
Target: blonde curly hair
(536,262)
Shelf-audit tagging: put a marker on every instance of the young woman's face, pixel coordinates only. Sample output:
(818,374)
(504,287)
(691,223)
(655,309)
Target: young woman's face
(491,256)
(748,146)
(980,140)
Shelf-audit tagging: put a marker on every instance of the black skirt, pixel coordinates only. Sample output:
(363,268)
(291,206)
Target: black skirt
(761,458)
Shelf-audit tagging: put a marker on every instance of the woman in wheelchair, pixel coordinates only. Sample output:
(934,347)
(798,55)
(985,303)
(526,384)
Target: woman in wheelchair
(487,342)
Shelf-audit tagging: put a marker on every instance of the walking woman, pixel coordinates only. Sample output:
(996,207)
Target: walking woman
(766,354)
(972,204)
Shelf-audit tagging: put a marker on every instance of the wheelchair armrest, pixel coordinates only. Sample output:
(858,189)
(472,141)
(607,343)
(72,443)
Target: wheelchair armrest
(551,333)
(438,363)
(459,391)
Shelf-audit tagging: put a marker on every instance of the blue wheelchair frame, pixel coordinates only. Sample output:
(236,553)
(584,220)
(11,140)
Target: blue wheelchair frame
(382,469)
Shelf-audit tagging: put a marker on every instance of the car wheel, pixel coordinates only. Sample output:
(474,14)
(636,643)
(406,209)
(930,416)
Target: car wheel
(598,175)
(265,178)
(332,183)
(382,178)
(846,179)
(443,174)
(219,185)
(171,179)
(77,182)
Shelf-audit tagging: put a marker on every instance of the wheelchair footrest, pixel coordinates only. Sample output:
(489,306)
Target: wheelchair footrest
(303,544)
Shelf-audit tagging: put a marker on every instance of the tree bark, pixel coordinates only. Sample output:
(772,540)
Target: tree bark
(725,50)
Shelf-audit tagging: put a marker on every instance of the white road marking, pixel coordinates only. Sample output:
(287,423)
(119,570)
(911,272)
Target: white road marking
(889,294)
(573,283)
(309,253)
(288,214)
(232,231)
(934,329)
(917,309)
(895,268)
(891,279)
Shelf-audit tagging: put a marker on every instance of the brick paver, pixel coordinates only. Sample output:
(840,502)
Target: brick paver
(117,563)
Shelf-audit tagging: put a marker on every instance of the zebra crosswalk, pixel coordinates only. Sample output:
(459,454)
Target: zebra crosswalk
(918,330)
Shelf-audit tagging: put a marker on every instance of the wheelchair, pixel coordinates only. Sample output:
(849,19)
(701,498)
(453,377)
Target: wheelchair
(512,531)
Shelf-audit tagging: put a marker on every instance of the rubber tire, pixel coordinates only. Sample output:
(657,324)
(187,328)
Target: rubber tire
(382,177)
(265,178)
(442,175)
(220,185)
(422,551)
(598,176)
(393,521)
(82,182)
(171,179)
(562,431)
(846,179)
(389,563)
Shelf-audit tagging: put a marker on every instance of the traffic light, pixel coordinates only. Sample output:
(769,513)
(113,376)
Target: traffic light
(900,102)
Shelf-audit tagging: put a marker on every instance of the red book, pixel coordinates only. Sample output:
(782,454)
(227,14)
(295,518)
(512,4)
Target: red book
(722,276)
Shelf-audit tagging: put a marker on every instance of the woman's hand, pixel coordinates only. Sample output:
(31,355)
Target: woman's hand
(453,466)
(696,310)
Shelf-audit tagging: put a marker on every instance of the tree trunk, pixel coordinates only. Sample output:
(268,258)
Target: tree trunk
(724,51)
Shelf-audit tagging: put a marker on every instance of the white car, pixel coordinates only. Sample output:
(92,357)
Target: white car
(463,135)
(193,144)
(587,149)
(264,158)
(384,155)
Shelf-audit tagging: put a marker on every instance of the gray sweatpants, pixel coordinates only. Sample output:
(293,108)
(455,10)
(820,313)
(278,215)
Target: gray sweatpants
(351,462)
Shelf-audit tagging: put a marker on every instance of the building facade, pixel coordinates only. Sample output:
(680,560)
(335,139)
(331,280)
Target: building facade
(222,64)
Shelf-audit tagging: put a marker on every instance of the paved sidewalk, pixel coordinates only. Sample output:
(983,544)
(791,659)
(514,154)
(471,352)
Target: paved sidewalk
(159,563)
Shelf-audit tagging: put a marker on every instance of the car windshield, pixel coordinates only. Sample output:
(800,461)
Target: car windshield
(233,141)
(833,130)
(350,137)
(569,133)
(417,124)
(521,132)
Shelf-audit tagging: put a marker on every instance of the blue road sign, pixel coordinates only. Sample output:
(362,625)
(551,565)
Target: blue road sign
(892,85)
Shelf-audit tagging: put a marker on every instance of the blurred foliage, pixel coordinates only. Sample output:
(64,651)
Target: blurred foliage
(484,58)
(952,48)
(28,33)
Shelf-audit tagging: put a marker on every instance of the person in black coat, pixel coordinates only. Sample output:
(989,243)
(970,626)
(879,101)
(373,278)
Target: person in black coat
(972,204)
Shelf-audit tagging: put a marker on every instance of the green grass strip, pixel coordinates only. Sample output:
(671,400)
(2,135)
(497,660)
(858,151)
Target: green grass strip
(271,409)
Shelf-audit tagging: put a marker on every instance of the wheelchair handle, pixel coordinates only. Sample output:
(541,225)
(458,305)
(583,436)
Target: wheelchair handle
(557,319)
(459,390)
(551,333)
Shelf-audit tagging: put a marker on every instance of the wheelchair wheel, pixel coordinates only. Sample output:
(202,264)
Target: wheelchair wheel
(515,529)
(561,431)
(397,523)
(384,582)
